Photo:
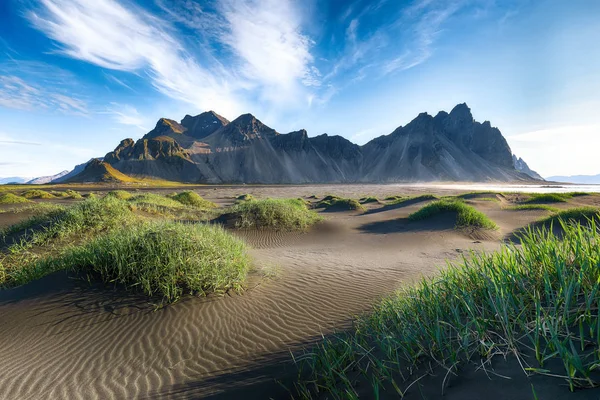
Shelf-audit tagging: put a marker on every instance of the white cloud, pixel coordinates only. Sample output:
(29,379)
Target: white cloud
(270,56)
(18,94)
(425,19)
(547,152)
(126,115)
(107,34)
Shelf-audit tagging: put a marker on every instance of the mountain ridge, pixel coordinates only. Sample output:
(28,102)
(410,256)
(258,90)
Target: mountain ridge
(208,148)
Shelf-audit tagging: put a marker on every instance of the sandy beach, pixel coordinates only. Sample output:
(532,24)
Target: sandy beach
(66,337)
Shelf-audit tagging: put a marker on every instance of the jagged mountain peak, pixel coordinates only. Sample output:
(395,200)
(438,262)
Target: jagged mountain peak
(449,146)
(462,111)
(203,124)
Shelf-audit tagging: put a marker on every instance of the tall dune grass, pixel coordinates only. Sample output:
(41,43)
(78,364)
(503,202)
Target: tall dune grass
(466,215)
(537,302)
(278,214)
(161,258)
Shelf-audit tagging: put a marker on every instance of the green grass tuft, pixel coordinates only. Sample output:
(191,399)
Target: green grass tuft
(334,203)
(10,198)
(245,197)
(37,194)
(119,194)
(421,197)
(278,214)
(88,216)
(165,258)
(533,207)
(576,214)
(548,198)
(369,199)
(537,302)
(466,215)
(190,198)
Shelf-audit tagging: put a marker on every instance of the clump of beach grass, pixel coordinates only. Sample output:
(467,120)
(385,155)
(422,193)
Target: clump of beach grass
(335,203)
(245,197)
(119,194)
(11,198)
(190,198)
(93,215)
(165,259)
(537,302)
(278,214)
(548,198)
(37,194)
(369,199)
(415,199)
(576,214)
(466,216)
(532,207)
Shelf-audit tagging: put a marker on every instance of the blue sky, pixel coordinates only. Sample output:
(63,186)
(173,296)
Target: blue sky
(77,76)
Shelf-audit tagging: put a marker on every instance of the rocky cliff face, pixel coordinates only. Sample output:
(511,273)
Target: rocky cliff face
(521,166)
(208,148)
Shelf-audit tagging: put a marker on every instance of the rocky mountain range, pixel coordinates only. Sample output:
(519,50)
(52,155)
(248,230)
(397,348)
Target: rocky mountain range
(521,166)
(208,148)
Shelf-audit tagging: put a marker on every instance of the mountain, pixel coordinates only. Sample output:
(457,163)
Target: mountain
(581,179)
(76,170)
(13,179)
(42,180)
(521,166)
(99,171)
(208,148)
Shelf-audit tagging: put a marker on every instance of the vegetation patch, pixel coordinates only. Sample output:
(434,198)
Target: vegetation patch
(37,194)
(190,198)
(90,196)
(10,198)
(537,302)
(369,199)
(335,203)
(162,258)
(466,216)
(245,197)
(58,222)
(414,199)
(576,214)
(533,207)
(119,194)
(548,198)
(278,214)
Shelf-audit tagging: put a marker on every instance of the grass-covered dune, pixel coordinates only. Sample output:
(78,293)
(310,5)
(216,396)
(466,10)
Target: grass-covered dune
(548,198)
(88,217)
(10,198)
(37,194)
(576,214)
(278,214)
(335,203)
(190,198)
(466,216)
(160,258)
(537,302)
(109,238)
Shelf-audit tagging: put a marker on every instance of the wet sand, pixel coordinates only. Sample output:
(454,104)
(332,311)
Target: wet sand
(63,337)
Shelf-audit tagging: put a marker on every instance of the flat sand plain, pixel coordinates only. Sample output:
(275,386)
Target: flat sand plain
(66,338)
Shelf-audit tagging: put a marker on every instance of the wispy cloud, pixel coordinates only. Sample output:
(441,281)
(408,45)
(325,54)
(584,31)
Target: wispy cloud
(108,34)
(425,19)
(18,94)
(268,53)
(126,115)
